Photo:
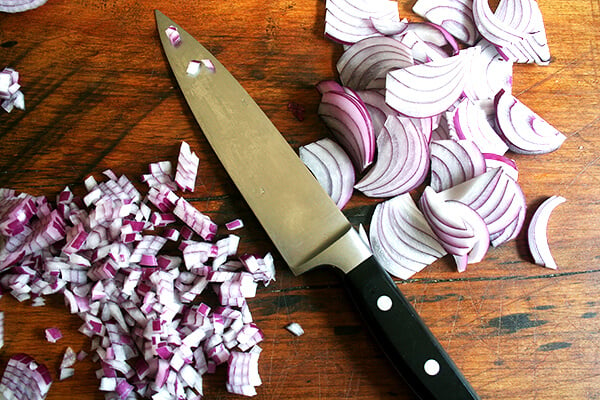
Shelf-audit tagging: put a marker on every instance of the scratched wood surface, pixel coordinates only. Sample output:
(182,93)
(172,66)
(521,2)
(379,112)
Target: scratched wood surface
(99,95)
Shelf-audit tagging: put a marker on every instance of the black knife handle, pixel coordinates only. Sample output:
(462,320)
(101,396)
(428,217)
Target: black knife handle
(403,336)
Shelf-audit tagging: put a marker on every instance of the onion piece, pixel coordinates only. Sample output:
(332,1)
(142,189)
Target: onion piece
(537,238)
(460,229)
(332,167)
(10,93)
(497,198)
(428,89)
(295,329)
(524,131)
(402,162)
(364,65)
(187,168)
(348,21)
(389,26)
(489,73)
(25,379)
(401,239)
(454,162)
(53,335)
(349,121)
(508,165)
(469,122)
(173,35)
(456,16)
(439,41)
(515,39)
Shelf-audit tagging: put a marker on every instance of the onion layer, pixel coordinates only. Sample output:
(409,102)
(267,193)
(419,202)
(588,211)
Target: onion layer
(456,16)
(401,239)
(14,6)
(537,238)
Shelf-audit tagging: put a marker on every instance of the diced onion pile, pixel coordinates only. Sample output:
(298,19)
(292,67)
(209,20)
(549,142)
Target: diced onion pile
(154,328)
(429,105)
(10,90)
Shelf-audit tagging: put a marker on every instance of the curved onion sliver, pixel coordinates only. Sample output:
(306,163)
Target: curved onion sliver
(523,130)
(537,238)
(454,162)
(456,16)
(364,65)
(348,119)
(460,229)
(428,89)
(402,161)
(401,239)
(508,165)
(470,122)
(332,167)
(526,44)
(348,21)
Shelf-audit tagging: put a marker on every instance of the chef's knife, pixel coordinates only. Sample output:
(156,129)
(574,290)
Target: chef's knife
(302,221)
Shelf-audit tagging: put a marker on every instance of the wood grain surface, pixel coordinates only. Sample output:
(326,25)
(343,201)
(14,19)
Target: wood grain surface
(99,95)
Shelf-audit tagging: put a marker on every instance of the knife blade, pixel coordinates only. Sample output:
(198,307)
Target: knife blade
(303,222)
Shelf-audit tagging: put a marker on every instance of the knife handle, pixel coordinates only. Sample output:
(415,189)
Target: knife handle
(403,336)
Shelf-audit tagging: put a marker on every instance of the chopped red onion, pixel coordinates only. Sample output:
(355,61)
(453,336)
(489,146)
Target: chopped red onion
(454,162)
(10,93)
(537,237)
(173,35)
(295,329)
(234,225)
(187,168)
(53,335)
(456,16)
(25,379)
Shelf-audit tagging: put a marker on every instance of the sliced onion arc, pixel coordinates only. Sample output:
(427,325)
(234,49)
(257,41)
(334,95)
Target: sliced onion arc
(332,167)
(348,119)
(524,131)
(402,161)
(456,16)
(15,6)
(364,65)
(454,162)
(537,237)
(401,239)
(427,89)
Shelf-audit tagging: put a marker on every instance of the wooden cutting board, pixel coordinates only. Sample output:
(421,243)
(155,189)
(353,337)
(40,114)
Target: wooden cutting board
(99,95)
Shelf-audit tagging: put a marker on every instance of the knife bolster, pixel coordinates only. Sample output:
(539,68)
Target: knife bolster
(345,253)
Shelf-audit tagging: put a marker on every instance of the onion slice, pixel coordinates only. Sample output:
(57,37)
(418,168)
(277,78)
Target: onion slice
(515,38)
(348,21)
(428,89)
(402,161)
(332,167)
(456,16)
(401,239)
(25,379)
(364,65)
(348,119)
(454,162)
(537,238)
(460,229)
(489,73)
(524,131)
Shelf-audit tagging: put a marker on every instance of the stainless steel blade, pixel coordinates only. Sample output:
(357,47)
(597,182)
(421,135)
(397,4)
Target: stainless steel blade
(298,215)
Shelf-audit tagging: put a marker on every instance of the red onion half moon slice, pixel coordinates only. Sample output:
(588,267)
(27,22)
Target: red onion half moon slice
(332,167)
(428,89)
(454,162)
(524,131)
(364,65)
(537,237)
(402,161)
(401,238)
(456,16)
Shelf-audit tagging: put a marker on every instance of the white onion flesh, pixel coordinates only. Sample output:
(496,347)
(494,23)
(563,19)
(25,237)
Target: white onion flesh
(537,232)
(489,73)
